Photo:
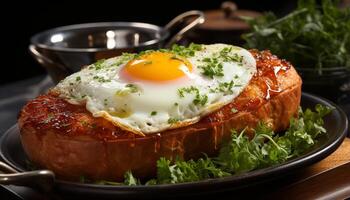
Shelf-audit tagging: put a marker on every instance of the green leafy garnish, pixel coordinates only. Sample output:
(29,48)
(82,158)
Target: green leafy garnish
(242,154)
(133,88)
(186,51)
(124,58)
(129,88)
(101,79)
(173,120)
(99,64)
(225,87)
(234,110)
(185,171)
(153,113)
(199,99)
(212,67)
(227,56)
(312,36)
(129,179)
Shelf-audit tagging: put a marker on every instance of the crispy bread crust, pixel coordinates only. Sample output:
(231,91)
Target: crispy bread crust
(67,139)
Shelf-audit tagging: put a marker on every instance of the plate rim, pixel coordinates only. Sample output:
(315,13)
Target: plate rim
(304,160)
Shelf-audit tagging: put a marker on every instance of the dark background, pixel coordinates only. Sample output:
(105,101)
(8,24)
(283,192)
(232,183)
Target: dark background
(23,19)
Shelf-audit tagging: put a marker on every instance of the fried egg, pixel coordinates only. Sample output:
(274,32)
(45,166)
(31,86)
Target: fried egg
(162,89)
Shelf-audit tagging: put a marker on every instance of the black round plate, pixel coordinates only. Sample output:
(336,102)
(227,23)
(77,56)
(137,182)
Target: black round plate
(336,124)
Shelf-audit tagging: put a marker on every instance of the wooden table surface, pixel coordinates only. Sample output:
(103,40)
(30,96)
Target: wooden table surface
(327,179)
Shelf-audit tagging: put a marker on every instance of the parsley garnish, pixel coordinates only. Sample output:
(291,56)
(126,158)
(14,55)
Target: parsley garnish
(101,79)
(227,55)
(50,116)
(133,88)
(199,99)
(153,113)
(99,64)
(186,51)
(312,36)
(78,78)
(212,67)
(242,154)
(224,87)
(172,120)
(234,110)
(129,179)
(124,58)
(129,88)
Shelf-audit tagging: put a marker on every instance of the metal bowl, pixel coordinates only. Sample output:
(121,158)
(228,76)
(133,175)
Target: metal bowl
(64,50)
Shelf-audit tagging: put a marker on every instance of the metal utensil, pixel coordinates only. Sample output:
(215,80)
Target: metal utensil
(66,49)
(44,179)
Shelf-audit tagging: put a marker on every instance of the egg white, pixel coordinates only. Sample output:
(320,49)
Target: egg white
(156,107)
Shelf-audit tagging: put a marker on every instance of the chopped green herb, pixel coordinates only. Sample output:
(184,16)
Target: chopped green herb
(227,55)
(85,123)
(186,51)
(133,88)
(129,179)
(176,58)
(176,104)
(234,110)
(153,113)
(129,88)
(172,120)
(143,53)
(124,58)
(101,79)
(199,99)
(212,67)
(99,64)
(78,78)
(50,116)
(188,90)
(224,87)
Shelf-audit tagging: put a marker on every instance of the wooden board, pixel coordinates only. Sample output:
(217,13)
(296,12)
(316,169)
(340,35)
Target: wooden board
(327,179)
(337,158)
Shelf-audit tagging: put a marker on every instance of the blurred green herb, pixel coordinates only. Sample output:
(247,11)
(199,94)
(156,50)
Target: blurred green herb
(312,36)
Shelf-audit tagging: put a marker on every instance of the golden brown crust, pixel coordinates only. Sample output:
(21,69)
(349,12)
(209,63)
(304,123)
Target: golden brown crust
(68,140)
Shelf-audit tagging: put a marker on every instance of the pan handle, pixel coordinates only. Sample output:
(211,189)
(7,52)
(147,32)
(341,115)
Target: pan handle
(198,19)
(43,179)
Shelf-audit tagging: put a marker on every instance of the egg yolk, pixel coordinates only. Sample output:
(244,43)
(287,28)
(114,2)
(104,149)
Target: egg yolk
(158,66)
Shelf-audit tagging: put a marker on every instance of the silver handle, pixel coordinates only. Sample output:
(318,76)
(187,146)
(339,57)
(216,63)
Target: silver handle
(180,18)
(38,178)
